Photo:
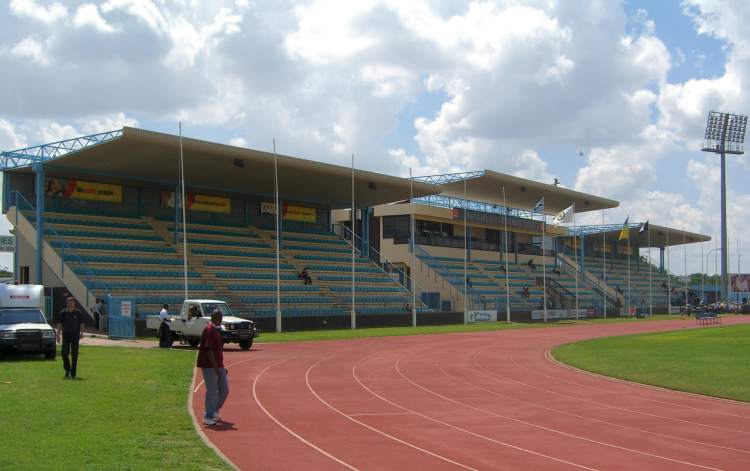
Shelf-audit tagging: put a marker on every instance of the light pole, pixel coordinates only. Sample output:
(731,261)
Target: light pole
(716,274)
(725,134)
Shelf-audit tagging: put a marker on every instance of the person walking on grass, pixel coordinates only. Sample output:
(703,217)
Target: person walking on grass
(165,334)
(211,363)
(70,328)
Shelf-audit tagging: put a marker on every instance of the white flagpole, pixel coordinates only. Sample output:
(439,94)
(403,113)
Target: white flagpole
(184,223)
(544,267)
(575,248)
(604,268)
(413,254)
(684,256)
(505,256)
(629,256)
(650,288)
(353,312)
(278,214)
(466,253)
(669,281)
(703,279)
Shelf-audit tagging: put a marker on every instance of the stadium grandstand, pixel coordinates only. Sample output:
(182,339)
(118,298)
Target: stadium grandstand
(99,216)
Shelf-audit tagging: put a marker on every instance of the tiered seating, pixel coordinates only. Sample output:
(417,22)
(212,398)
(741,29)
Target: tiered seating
(330,291)
(640,288)
(488,283)
(123,256)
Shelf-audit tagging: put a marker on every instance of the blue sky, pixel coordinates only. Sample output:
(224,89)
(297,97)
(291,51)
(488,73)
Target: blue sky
(609,96)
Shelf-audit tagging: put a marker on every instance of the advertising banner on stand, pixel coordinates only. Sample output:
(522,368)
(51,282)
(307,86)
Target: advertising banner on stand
(82,190)
(482,316)
(195,202)
(558,314)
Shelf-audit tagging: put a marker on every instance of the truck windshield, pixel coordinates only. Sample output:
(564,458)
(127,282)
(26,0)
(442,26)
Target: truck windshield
(18,316)
(208,308)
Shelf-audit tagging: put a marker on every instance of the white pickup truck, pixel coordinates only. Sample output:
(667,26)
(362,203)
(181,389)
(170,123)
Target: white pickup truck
(189,327)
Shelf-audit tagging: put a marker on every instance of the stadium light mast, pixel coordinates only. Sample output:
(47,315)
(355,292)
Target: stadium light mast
(725,134)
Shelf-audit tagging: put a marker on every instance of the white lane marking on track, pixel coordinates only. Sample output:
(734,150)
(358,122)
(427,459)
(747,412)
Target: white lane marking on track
(602,404)
(548,356)
(376,430)
(432,419)
(560,411)
(379,414)
(594,388)
(547,429)
(290,431)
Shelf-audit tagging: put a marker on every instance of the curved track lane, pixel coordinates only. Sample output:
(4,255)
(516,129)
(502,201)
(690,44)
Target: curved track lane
(492,400)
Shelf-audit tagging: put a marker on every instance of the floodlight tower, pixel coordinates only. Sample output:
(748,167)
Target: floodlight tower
(725,134)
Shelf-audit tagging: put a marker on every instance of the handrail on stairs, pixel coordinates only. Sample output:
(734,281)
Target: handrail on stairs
(17,199)
(356,240)
(596,287)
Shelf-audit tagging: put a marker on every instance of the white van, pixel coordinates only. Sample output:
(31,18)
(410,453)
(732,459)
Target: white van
(23,327)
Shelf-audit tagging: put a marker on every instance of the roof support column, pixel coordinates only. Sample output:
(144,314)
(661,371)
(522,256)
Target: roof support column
(661,259)
(38,169)
(366,231)
(583,252)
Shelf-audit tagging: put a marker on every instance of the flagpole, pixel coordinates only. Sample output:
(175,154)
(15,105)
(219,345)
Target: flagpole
(575,248)
(544,267)
(604,267)
(629,256)
(466,253)
(505,256)
(184,222)
(277,215)
(650,288)
(684,256)
(703,279)
(413,254)
(669,281)
(353,312)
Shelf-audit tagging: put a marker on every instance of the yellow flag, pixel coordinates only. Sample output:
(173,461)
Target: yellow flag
(625,232)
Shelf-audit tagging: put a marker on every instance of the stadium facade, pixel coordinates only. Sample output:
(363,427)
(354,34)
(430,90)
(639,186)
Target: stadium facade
(100,215)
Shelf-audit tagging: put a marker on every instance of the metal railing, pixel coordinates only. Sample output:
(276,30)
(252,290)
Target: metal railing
(382,263)
(441,201)
(473,298)
(22,204)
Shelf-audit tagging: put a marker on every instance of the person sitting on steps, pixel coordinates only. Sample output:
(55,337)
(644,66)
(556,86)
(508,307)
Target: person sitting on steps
(530,264)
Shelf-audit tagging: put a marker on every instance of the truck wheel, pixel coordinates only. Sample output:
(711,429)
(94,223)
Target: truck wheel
(50,354)
(246,344)
(193,342)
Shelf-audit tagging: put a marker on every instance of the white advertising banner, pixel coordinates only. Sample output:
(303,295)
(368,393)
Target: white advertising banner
(482,316)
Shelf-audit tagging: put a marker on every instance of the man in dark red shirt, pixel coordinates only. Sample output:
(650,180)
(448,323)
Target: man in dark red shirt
(211,362)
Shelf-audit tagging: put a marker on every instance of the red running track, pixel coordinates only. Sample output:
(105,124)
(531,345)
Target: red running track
(491,400)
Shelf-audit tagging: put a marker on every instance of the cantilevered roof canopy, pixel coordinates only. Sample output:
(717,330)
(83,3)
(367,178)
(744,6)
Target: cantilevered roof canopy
(520,193)
(147,156)
(661,236)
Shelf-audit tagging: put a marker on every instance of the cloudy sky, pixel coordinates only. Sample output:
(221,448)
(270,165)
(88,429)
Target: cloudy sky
(611,97)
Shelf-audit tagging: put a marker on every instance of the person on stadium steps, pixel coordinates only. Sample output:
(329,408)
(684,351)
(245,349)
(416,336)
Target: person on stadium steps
(468,283)
(211,363)
(305,275)
(70,328)
(530,263)
(165,334)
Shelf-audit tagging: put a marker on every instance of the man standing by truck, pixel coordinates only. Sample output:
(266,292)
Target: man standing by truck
(165,334)
(70,327)
(211,363)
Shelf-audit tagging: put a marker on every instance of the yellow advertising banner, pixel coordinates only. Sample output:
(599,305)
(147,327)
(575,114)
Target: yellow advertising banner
(299,213)
(211,204)
(82,190)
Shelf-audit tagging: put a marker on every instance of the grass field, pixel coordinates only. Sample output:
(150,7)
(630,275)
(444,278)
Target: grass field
(127,411)
(714,361)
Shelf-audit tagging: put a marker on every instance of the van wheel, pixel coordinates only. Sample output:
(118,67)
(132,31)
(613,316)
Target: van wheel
(50,354)
(246,344)
(193,342)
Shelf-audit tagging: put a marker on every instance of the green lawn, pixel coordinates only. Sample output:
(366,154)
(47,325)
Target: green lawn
(713,361)
(127,411)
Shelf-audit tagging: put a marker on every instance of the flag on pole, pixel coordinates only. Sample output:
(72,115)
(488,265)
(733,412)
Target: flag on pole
(625,231)
(643,228)
(564,216)
(539,208)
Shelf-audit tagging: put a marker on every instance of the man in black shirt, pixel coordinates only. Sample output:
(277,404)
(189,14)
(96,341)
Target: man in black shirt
(70,327)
